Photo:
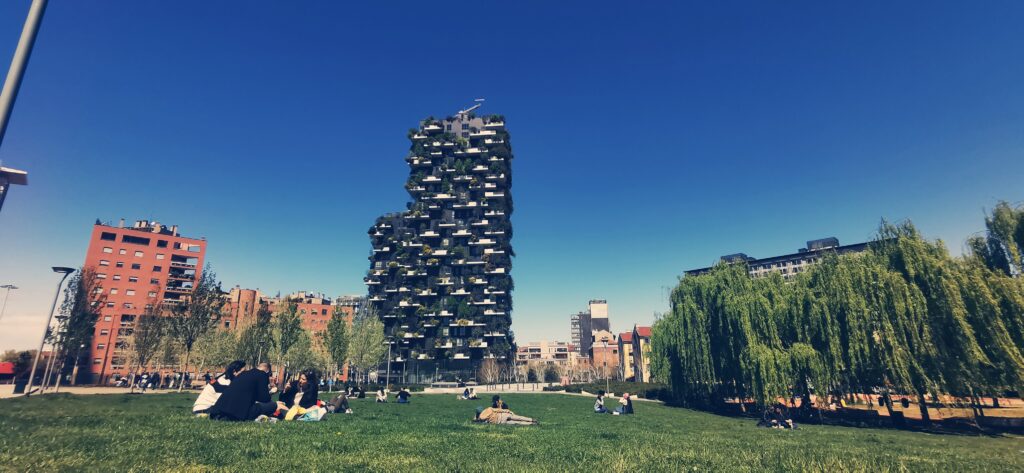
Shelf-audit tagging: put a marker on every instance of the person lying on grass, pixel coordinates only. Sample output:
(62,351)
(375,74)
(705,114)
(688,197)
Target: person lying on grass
(247,397)
(340,404)
(626,407)
(501,415)
(212,391)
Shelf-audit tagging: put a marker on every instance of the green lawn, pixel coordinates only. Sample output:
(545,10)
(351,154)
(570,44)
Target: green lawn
(434,433)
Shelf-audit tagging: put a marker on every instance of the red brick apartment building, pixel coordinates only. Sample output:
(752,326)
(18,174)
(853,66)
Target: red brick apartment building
(137,267)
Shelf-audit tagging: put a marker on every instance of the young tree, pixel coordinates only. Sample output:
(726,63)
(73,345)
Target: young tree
(489,372)
(551,374)
(367,347)
(198,314)
(287,330)
(216,348)
(256,340)
(336,339)
(81,306)
(146,337)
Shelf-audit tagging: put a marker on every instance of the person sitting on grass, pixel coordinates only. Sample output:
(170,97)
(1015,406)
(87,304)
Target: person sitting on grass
(247,397)
(497,403)
(303,392)
(599,403)
(464,396)
(403,396)
(472,394)
(212,391)
(626,407)
(501,415)
(382,395)
(776,417)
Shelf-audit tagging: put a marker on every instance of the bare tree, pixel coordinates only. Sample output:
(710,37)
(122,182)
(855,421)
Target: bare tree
(200,312)
(150,329)
(490,371)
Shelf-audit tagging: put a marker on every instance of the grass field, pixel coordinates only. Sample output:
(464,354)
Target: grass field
(157,432)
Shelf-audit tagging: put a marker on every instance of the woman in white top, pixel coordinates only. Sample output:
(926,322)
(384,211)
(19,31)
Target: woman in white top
(212,391)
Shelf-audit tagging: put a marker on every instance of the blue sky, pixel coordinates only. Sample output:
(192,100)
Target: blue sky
(649,138)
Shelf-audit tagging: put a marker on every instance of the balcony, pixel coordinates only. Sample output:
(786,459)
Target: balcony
(418,137)
(490,141)
(432,128)
(444,282)
(408,304)
(493,312)
(475,262)
(492,251)
(467,205)
(477,281)
(495,125)
(483,133)
(461,356)
(477,344)
(175,264)
(424,356)
(494,195)
(496,293)
(426,293)
(495,232)
(382,250)
(496,271)
(429,234)
(494,334)
(480,168)
(484,302)
(440,253)
(495,177)
(371,282)
(460,292)
(376,299)
(178,290)
(445,313)
(474,150)
(483,241)
(444,197)
(431,179)
(462,233)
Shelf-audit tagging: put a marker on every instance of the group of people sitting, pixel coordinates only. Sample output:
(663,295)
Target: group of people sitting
(401,398)
(776,417)
(245,395)
(625,407)
(467,395)
(500,413)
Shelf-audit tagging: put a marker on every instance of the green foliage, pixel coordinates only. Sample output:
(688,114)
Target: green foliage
(336,338)
(256,340)
(216,349)
(904,315)
(287,331)
(150,330)
(366,347)
(198,314)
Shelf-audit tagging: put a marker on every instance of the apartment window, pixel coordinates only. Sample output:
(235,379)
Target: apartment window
(97,361)
(149,306)
(101,275)
(177,245)
(122,251)
(135,240)
(465,126)
(98,290)
(112,291)
(128,305)
(106,318)
(100,346)
(152,294)
(117,277)
(138,254)
(104,262)
(107,249)
(133,279)
(227,324)
(129,292)
(154,281)
(108,236)
(119,264)
(160,256)
(110,304)
(161,243)
(157,269)
(193,248)
(136,266)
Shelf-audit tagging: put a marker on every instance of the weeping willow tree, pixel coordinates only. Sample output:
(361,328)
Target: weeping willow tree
(903,316)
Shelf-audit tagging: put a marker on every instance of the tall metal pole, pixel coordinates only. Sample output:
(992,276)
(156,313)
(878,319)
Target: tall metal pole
(49,318)
(6,295)
(387,382)
(21,55)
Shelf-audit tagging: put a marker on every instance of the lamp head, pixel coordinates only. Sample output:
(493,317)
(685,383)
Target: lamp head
(63,270)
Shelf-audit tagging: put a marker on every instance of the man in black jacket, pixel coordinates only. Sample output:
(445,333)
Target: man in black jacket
(247,398)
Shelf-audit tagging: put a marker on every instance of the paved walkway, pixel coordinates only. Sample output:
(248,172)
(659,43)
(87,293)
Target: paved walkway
(7,390)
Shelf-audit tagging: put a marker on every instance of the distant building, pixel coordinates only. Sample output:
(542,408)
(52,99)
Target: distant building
(558,353)
(604,353)
(790,264)
(138,267)
(314,309)
(626,361)
(241,306)
(641,354)
(582,325)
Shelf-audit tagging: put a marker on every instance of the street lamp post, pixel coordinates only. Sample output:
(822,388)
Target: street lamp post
(49,317)
(51,360)
(6,295)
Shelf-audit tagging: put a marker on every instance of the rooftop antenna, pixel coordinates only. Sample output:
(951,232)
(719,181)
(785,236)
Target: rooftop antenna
(479,103)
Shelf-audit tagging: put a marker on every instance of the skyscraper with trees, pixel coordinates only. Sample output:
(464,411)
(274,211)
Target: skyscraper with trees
(439,274)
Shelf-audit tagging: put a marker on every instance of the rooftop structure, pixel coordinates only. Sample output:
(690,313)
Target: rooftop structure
(789,264)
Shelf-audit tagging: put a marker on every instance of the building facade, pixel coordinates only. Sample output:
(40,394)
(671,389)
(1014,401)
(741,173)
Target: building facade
(557,353)
(583,326)
(241,306)
(138,267)
(641,354)
(787,265)
(439,273)
(626,359)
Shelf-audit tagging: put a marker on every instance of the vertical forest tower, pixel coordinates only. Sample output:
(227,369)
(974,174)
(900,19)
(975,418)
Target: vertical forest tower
(439,274)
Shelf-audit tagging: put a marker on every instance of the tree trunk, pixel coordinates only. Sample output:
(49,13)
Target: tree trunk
(188,353)
(923,405)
